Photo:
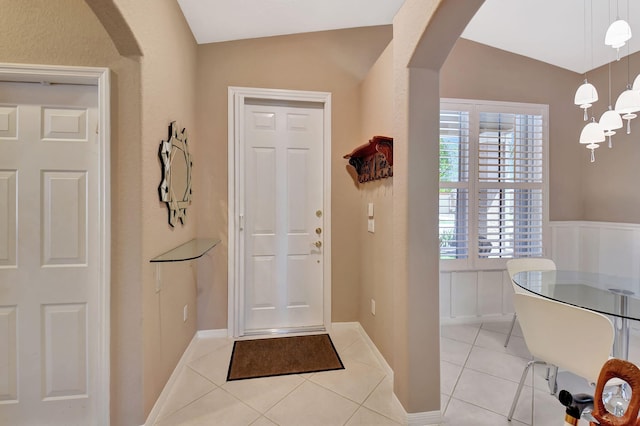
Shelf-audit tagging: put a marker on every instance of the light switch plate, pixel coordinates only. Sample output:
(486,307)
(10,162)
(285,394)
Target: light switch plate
(370,210)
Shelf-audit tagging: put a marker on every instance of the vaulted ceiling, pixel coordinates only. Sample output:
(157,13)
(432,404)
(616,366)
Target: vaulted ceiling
(566,33)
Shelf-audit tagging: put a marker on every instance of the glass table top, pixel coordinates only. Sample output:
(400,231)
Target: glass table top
(607,294)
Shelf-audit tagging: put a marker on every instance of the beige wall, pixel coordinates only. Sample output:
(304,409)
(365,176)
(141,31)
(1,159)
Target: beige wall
(477,71)
(333,61)
(64,32)
(376,102)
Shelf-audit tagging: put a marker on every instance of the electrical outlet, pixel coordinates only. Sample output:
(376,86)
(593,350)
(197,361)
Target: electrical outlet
(373,307)
(185,313)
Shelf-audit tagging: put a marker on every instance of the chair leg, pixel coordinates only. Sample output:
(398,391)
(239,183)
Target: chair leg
(513,322)
(522,379)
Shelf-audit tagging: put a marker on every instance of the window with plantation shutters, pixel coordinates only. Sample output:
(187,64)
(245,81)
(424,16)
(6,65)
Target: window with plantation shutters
(493,185)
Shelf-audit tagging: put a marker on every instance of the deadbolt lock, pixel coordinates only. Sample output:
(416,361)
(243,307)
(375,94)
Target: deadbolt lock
(318,244)
(318,231)
(319,213)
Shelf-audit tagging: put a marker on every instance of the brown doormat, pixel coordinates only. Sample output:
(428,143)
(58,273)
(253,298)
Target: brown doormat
(283,355)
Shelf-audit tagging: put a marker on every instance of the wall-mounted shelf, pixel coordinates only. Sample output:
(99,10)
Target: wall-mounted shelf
(373,160)
(188,251)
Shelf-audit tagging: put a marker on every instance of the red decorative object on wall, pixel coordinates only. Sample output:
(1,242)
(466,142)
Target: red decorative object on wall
(373,160)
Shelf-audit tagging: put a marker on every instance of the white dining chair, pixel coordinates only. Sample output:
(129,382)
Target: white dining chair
(520,265)
(566,336)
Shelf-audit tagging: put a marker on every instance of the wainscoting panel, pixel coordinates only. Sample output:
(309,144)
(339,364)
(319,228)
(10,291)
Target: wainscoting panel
(445,295)
(466,296)
(605,247)
(507,293)
(565,241)
(489,286)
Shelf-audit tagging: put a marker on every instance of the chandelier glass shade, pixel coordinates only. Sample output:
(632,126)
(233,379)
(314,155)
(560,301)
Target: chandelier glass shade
(628,104)
(628,101)
(585,96)
(618,33)
(592,134)
(610,121)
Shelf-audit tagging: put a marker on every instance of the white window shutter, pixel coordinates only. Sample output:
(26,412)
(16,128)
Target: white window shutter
(492,181)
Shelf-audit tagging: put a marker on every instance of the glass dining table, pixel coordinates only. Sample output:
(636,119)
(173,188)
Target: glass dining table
(617,297)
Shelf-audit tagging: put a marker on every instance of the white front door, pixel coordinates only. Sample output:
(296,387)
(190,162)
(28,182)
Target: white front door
(49,254)
(282,202)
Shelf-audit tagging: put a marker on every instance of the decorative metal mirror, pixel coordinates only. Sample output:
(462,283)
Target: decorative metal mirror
(175,188)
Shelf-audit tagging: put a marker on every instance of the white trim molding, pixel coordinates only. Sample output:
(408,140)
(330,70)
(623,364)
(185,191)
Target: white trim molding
(212,334)
(237,97)
(99,77)
(428,418)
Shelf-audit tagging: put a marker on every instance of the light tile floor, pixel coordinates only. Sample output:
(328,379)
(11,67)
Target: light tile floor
(478,380)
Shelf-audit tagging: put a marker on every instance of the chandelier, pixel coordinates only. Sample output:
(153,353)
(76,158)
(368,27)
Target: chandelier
(627,103)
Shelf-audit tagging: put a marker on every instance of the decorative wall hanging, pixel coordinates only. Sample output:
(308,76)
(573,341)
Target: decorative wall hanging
(175,188)
(373,160)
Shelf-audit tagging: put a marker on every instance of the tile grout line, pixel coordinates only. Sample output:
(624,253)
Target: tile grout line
(464,365)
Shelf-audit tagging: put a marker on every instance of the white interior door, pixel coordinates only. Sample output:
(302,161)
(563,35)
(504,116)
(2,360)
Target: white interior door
(49,254)
(282,204)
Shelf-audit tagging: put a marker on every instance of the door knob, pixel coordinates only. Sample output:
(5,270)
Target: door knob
(318,244)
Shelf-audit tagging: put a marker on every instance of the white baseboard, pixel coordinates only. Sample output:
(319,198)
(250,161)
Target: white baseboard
(383,362)
(207,334)
(155,411)
(428,418)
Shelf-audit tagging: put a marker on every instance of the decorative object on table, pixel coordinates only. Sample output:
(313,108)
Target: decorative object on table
(627,371)
(283,355)
(175,188)
(577,406)
(373,160)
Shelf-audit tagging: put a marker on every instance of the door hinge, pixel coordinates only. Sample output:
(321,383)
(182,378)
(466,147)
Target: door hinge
(241,222)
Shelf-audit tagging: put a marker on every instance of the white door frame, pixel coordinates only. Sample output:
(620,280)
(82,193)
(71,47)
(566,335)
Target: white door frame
(237,98)
(99,77)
